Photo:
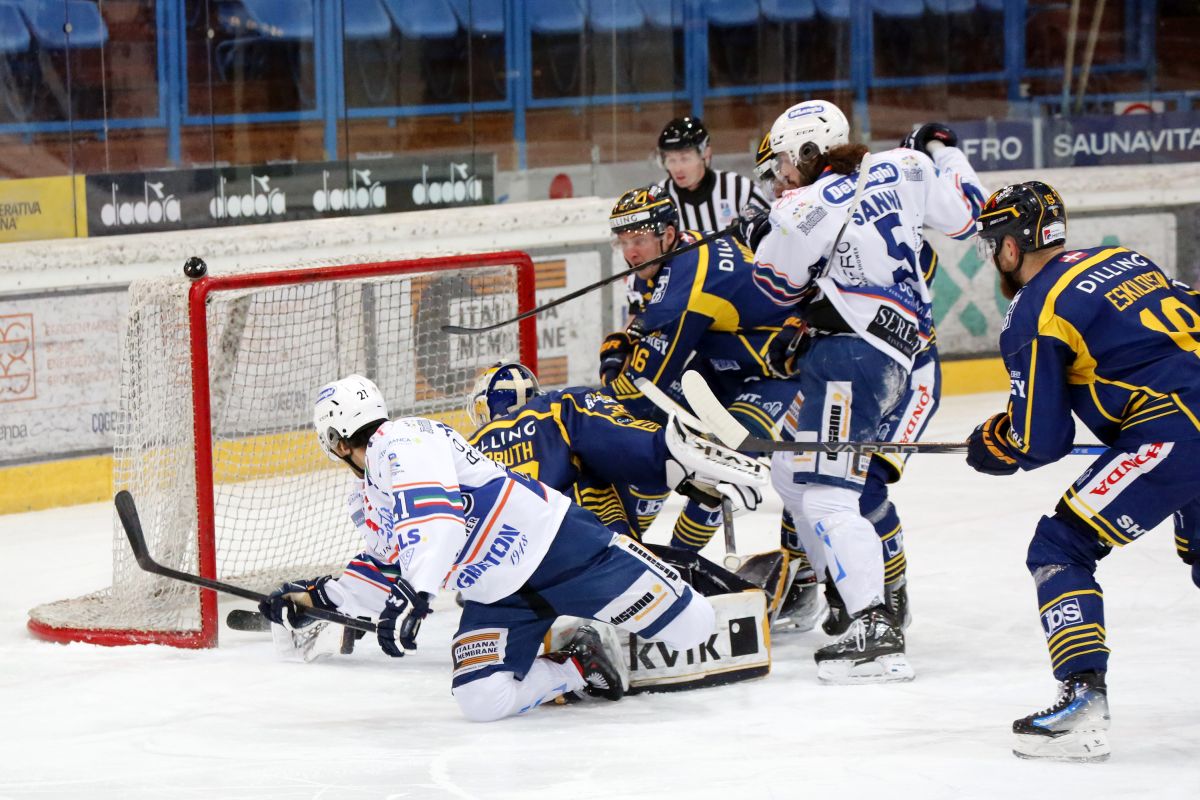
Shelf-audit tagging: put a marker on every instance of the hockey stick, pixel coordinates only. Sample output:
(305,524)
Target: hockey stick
(727,523)
(127,511)
(668,406)
(734,435)
(703,240)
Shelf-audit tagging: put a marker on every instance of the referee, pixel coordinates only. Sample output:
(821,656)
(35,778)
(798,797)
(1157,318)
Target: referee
(708,199)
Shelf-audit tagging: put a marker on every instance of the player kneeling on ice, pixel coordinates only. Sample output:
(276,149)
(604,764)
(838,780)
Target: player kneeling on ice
(434,513)
(1103,333)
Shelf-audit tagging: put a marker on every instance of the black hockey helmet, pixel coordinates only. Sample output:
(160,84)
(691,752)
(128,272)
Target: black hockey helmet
(1032,213)
(647,208)
(683,133)
(764,160)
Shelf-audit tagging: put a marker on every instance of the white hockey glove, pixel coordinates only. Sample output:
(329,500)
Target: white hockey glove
(697,459)
(741,498)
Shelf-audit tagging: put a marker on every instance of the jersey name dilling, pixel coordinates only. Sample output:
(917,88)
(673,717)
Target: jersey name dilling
(1113,269)
(497,439)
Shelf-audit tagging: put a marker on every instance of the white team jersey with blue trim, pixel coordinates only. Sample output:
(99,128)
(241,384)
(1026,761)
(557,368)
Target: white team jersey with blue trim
(875,280)
(447,516)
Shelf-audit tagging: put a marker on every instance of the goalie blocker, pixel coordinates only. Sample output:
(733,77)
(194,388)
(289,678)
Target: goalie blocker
(738,650)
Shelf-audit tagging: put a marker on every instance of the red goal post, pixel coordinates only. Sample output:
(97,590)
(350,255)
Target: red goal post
(215,436)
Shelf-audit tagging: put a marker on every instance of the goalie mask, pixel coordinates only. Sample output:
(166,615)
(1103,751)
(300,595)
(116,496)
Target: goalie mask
(501,389)
(345,407)
(809,129)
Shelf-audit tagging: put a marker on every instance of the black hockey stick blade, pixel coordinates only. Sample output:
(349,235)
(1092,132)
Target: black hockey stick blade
(127,511)
(703,240)
(243,619)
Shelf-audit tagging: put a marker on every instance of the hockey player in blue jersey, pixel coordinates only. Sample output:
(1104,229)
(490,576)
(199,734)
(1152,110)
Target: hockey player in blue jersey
(435,513)
(585,444)
(1104,334)
(841,251)
(698,311)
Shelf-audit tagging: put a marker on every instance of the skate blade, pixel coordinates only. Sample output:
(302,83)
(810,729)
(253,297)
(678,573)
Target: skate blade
(885,669)
(798,623)
(1078,746)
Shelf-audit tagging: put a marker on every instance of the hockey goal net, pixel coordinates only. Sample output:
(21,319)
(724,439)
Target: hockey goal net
(215,438)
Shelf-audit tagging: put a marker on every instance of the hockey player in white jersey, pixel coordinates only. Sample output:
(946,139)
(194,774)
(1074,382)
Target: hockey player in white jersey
(435,513)
(850,267)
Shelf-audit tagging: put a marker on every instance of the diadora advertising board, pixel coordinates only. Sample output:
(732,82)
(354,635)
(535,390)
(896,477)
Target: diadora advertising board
(138,202)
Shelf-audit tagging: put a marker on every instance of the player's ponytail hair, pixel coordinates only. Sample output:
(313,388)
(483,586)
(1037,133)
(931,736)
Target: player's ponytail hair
(845,158)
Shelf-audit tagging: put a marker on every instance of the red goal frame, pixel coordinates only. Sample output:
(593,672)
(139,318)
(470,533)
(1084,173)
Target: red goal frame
(207,634)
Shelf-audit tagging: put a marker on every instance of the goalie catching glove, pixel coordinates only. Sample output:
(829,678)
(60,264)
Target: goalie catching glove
(401,618)
(285,606)
(696,459)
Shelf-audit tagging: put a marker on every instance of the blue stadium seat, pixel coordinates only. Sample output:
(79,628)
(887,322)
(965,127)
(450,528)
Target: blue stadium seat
(46,24)
(784,11)
(836,10)
(951,6)
(365,19)
(14,36)
(664,13)
(615,16)
(554,17)
(898,9)
(423,19)
(731,13)
(480,17)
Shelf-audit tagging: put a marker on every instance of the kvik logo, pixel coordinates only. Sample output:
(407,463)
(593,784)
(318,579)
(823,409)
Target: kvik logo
(262,200)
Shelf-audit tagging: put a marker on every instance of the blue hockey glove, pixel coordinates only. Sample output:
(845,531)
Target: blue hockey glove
(282,611)
(400,620)
(787,347)
(614,353)
(754,223)
(987,447)
(929,132)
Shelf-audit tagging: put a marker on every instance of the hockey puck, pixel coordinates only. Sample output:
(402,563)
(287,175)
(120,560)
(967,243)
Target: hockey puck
(195,267)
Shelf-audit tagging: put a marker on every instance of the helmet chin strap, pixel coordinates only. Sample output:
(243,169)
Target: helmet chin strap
(350,463)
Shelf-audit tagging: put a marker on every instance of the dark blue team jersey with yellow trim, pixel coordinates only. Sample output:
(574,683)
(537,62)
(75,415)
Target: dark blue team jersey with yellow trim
(1106,334)
(580,442)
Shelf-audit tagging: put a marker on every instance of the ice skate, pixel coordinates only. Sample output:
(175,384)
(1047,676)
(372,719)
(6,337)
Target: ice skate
(1073,729)
(871,651)
(587,650)
(801,606)
(895,596)
(836,621)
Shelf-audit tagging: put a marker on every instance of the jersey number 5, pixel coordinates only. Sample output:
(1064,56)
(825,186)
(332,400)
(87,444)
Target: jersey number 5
(1178,321)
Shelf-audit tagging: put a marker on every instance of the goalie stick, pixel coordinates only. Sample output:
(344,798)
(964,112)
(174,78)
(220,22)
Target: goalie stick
(127,511)
(703,240)
(731,432)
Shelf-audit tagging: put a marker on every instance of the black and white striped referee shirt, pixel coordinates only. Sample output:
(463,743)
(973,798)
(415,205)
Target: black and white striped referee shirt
(716,202)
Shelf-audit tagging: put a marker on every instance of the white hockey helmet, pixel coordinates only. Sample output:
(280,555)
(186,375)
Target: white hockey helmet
(343,408)
(808,129)
(500,389)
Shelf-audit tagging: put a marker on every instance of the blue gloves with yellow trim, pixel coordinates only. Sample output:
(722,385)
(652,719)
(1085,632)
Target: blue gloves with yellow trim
(787,347)
(282,610)
(988,450)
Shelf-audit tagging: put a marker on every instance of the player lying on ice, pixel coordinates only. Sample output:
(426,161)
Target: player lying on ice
(434,513)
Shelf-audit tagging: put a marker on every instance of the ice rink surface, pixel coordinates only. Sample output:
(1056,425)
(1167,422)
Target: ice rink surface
(236,722)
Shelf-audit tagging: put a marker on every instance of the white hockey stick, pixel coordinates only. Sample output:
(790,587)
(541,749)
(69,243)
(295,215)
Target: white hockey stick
(864,177)
(667,405)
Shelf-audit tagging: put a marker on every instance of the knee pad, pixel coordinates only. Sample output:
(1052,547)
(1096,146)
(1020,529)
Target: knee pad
(1064,540)
(486,699)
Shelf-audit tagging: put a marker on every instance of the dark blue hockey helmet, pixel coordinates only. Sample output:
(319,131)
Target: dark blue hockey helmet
(502,388)
(647,208)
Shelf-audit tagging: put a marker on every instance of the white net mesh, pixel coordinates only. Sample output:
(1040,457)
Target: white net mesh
(279,502)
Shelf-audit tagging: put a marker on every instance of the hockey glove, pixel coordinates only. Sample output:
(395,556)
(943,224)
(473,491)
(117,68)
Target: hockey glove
(400,620)
(694,458)
(786,348)
(930,132)
(754,223)
(614,353)
(988,449)
(289,611)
